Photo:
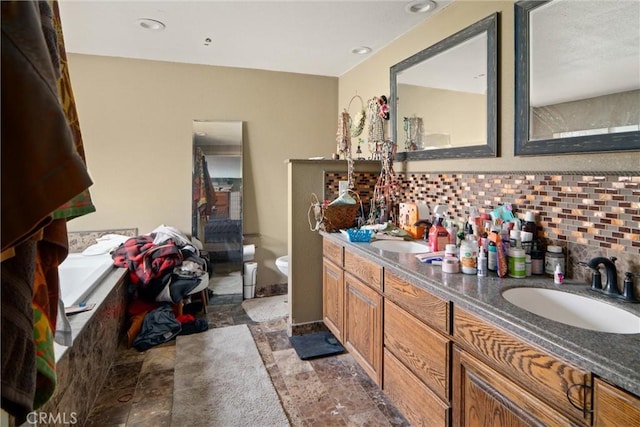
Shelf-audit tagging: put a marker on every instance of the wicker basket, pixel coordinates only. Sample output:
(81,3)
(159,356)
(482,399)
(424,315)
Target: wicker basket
(338,217)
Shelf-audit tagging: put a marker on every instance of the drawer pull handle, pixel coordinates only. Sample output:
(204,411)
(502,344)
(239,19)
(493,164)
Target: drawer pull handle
(585,411)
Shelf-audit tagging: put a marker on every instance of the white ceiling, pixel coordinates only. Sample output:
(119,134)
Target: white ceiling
(300,36)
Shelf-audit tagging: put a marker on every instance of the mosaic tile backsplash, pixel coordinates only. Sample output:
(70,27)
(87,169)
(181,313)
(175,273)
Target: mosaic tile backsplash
(587,214)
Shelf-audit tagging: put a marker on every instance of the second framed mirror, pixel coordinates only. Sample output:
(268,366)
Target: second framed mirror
(444,99)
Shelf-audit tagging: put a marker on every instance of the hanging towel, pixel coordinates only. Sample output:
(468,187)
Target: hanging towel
(81,204)
(18,351)
(41,170)
(45,357)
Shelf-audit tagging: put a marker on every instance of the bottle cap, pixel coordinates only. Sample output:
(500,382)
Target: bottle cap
(558,268)
(554,249)
(530,216)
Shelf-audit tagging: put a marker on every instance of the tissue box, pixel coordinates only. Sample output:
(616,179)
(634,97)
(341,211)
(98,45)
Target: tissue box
(408,215)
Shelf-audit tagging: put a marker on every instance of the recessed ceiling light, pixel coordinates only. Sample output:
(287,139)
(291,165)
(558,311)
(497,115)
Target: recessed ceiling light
(420,6)
(362,50)
(150,24)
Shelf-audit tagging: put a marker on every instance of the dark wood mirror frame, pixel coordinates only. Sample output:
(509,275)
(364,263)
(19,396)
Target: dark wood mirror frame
(490,149)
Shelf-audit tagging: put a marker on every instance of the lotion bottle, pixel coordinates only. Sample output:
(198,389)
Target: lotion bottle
(558,275)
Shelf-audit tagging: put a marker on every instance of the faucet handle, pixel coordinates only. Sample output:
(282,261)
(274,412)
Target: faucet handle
(628,289)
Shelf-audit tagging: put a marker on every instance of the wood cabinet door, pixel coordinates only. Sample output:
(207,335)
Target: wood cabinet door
(484,398)
(333,298)
(614,407)
(363,326)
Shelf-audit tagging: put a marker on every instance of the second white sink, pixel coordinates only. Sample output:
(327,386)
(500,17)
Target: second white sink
(574,310)
(402,246)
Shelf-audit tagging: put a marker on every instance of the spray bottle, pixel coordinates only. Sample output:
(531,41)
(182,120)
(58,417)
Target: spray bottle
(438,235)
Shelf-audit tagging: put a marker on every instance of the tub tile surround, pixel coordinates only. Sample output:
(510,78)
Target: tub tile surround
(81,240)
(82,368)
(588,214)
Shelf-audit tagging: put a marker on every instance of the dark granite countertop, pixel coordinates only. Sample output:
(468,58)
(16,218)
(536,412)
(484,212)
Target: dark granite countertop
(613,357)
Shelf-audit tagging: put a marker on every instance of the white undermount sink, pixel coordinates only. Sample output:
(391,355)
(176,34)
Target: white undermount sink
(402,246)
(574,310)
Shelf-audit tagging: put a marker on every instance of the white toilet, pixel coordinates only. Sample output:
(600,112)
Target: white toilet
(283,265)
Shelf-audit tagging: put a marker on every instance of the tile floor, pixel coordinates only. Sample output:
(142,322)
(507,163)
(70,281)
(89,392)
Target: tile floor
(330,391)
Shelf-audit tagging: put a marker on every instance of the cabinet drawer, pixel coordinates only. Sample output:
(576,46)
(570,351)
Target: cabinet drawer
(432,310)
(416,402)
(614,407)
(332,251)
(546,376)
(424,352)
(368,272)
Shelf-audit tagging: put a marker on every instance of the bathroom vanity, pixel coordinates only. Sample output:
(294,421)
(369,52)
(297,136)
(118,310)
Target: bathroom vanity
(449,350)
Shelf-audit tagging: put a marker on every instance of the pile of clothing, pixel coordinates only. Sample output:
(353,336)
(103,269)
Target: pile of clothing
(164,268)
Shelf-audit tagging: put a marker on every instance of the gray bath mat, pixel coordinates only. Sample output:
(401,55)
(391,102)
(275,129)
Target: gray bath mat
(220,380)
(317,344)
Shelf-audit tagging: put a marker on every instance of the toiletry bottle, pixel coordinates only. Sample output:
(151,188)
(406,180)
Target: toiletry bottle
(517,263)
(514,239)
(537,260)
(558,275)
(469,255)
(530,224)
(452,229)
(438,235)
(502,265)
(492,257)
(482,264)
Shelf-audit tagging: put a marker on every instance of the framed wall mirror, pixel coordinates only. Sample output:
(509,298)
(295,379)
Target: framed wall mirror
(577,76)
(444,99)
(217,200)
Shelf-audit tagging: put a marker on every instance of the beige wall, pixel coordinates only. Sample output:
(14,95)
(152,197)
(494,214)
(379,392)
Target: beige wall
(136,120)
(435,107)
(371,78)
(305,246)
